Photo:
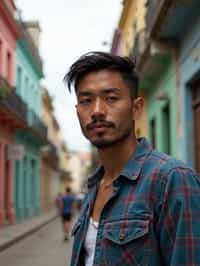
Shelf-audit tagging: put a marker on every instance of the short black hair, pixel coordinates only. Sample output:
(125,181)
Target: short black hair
(68,190)
(94,61)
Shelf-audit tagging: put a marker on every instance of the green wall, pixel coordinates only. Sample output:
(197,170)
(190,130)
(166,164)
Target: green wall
(166,82)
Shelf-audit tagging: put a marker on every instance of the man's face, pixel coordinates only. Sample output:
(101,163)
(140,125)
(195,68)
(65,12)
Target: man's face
(105,108)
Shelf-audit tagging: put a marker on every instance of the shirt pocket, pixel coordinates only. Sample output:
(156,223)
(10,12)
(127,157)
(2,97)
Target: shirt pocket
(127,242)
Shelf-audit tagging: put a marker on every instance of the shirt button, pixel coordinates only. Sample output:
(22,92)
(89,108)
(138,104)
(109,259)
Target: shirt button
(121,236)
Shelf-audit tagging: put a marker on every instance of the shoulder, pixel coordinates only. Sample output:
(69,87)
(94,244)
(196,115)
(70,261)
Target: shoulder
(170,170)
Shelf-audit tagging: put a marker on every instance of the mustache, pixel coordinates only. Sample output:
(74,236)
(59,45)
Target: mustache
(102,123)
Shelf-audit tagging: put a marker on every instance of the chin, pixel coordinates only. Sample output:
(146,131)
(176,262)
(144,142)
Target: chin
(103,144)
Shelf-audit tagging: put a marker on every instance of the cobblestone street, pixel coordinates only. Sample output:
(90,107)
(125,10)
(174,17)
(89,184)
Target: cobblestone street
(43,248)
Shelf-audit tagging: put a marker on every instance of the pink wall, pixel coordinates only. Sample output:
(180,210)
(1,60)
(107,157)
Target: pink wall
(8,37)
(8,45)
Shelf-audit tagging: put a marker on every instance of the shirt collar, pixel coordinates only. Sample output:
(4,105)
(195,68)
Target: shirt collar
(132,168)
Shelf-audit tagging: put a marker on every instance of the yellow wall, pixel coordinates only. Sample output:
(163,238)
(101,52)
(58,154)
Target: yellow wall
(131,22)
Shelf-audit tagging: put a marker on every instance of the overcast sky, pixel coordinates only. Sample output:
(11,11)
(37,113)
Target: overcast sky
(69,29)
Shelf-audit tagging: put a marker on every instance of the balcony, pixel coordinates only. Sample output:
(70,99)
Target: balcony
(49,154)
(168,19)
(37,125)
(140,44)
(11,103)
(151,57)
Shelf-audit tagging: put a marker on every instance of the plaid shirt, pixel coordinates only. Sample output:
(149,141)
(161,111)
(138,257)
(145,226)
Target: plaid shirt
(152,217)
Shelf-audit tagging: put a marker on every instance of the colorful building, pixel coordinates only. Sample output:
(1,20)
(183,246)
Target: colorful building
(156,62)
(27,171)
(172,71)
(52,174)
(132,21)
(13,111)
(183,32)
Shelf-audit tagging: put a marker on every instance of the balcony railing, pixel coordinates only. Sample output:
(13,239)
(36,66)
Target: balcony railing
(37,125)
(140,44)
(11,101)
(50,153)
(153,8)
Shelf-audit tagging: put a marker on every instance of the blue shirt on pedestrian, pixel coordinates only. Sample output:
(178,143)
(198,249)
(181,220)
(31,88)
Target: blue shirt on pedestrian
(68,203)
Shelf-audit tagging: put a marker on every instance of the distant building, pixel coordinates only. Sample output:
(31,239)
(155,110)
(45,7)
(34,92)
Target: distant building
(78,166)
(29,71)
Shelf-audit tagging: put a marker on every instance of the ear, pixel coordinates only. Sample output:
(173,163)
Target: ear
(138,105)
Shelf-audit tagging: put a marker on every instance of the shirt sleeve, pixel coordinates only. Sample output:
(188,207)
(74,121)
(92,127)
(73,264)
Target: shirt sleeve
(178,226)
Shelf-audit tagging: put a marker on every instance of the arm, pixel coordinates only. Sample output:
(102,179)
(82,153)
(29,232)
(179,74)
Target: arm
(178,227)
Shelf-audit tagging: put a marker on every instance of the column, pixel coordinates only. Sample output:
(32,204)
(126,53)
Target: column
(27,187)
(19,198)
(2,172)
(37,186)
(10,207)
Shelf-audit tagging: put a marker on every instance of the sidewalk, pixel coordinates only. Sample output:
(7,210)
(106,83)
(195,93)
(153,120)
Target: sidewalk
(13,233)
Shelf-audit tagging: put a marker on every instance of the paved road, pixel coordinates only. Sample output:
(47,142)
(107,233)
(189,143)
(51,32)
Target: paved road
(43,248)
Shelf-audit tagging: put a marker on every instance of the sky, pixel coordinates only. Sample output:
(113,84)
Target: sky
(70,28)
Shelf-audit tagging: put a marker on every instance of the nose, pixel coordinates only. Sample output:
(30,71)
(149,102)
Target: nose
(98,109)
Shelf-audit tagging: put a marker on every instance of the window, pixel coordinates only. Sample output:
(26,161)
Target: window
(0,56)
(153,132)
(19,80)
(8,70)
(166,129)
(26,90)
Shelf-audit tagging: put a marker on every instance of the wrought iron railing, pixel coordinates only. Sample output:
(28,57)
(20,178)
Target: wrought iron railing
(140,43)
(11,101)
(50,153)
(37,125)
(152,8)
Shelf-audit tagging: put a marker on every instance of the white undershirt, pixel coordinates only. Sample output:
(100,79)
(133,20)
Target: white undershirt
(90,242)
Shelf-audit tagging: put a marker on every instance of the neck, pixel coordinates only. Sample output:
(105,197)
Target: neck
(114,158)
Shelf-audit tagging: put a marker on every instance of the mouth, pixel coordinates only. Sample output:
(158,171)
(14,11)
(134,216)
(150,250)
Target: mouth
(99,127)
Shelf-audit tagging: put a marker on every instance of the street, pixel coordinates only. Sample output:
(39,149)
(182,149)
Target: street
(43,248)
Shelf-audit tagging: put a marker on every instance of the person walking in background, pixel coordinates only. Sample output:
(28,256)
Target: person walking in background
(142,206)
(67,211)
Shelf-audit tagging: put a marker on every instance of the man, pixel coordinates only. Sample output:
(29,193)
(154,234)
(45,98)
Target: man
(66,211)
(142,206)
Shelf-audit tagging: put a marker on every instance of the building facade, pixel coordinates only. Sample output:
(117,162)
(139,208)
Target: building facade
(51,172)
(157,65)
(27,171)
(132,22)
(12,109)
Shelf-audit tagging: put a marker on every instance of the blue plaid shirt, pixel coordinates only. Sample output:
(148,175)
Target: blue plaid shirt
(152,217)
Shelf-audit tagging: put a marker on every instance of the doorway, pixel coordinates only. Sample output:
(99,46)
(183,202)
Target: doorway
(196,119)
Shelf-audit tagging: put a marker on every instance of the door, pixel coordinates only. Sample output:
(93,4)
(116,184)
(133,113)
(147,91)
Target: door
(6,189)
(196,119)
(166,128)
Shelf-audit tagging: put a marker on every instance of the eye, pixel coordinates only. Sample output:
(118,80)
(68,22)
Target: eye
(112,98)
(84,101)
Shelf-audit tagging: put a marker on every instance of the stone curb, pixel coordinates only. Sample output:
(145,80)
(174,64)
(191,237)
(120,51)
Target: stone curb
(22,235)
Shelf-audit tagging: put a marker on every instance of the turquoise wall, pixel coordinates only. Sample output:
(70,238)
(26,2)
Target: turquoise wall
(166,82)
(27,79)
(27,182)
(26,172)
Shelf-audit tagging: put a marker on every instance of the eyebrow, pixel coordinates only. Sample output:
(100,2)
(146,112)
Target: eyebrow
(87,92)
